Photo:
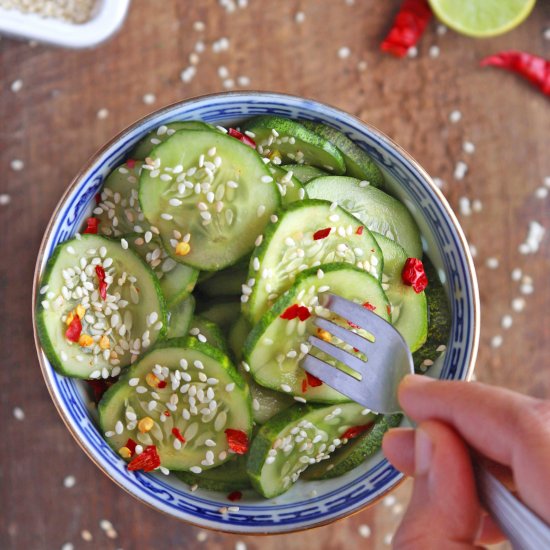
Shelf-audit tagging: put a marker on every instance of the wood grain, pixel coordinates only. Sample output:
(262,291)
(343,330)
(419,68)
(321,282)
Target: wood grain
(52,126)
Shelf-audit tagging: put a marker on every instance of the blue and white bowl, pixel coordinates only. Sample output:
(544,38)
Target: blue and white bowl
(307,504)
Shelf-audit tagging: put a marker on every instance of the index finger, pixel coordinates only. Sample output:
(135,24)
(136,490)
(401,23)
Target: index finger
(505,426)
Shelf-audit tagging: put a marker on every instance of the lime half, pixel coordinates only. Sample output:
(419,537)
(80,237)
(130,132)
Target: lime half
(482,18)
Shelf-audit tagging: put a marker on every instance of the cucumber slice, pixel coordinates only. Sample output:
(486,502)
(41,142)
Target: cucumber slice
(439,324)
(196,396)
(266,403)
(358,163)
(118,210)
(179,317)
(290,141)
(275,347)
(207,331)
(353,453)
(289,247)
(211,189)
(290,188)
(162,133)
(227,282)
(230,476)
(297,437)
(223,312)
(115,330)
(379,211)
(176,280)
(409,310)
(304,172)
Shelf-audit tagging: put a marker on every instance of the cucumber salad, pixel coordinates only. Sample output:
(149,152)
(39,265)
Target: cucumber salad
(188,298)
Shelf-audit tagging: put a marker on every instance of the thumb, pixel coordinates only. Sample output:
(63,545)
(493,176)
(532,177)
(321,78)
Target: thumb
(444,511)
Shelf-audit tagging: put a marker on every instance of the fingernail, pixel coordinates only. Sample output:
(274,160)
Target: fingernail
(423,451)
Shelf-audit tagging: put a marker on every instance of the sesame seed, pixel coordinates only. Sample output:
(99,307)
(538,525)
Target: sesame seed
(243,81)
(240,545)
(286,388)
(18,413)
(102,114)
(541,192)
(460,170)
(68,546)
(233,509)
(468,147)
(496,341)
(344,52)
(16,85)
(266,179)
(434,51)
(86,535)
(69,482)
(4,199)
(455,116)
(492,263)
(149,99)
(17,165)
(199,26)
(506,322)
(188,73)
(195,469)
(412,52)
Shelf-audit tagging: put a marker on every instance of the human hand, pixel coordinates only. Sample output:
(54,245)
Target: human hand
(506,427)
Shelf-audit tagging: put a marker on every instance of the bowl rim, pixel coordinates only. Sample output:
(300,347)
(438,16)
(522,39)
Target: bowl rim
(267,94)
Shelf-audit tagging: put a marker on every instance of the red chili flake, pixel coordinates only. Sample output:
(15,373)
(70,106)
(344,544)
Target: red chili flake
(352,324)
(359,230)
(290,312)
(532,67)
(131,163)
(97,198)
(408,26)
(74,329)
(99,387)
(304,385)
(147,461)
(234,496)
(237,441)
(166,413)
(354,431)
(313,381)
(131,445)
(388,309)
(242,137)
(303,313)
(368,306)
(177,434)
(91,226)
(321,233)
(161,384)
(100,272)
(413,274)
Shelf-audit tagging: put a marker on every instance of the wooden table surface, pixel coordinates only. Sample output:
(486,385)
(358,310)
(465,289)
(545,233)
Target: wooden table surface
(71,102)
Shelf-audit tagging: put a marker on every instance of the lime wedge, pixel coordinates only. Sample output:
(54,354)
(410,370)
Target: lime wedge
(481,18)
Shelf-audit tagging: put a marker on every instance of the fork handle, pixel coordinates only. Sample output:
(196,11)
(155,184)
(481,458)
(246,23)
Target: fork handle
(523,528)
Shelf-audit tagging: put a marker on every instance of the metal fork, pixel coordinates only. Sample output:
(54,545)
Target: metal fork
(373,384)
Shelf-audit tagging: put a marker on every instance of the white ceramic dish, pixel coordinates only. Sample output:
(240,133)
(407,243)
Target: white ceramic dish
(307,504)
(107,18)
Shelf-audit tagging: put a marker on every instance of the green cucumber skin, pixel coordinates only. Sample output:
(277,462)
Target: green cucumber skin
(230,476)
(294,193)
(260,251)
(212,332)
(299,132)
(439,317)
(180,316)
(41,329)
(144,147)
(261,444)
(358,163)
(222,311)
(354,453)
(227,282)
(304,172)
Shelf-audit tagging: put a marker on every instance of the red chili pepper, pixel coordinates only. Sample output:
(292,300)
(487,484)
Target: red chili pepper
(97,198)
(237,441)
(100,272)
(242,137)
(532,67)
(177,434)
(303,313)
(313,381)
(91,226)
(234,496)
(74,329)
(131,163)
(359,230)
(368,306)
(166,413)
(304,385)
(99,387)
(147,461)
(321,233)
(388,309)
(354,431)
(293,311)
(131,445)
(408,26)
(413,274)
(161,384)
